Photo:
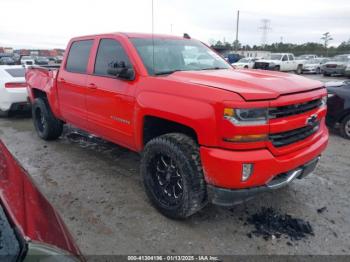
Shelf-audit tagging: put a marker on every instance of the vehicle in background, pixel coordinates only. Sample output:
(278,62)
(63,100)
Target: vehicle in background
(347,70)
(27,60)
(207,132)
(306,57)
(5,60)
(31,229)
(16,57)
(338,114)
(40,60)
(284,62)
(245,63)
(58,59)
(313,66)
(233,58)
(13,90)
(336,65)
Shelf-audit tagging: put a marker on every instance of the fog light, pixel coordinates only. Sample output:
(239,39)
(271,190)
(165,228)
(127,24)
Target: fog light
(247,170)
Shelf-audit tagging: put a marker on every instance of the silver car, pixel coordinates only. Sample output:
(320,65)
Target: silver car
(337,65)
(313,66)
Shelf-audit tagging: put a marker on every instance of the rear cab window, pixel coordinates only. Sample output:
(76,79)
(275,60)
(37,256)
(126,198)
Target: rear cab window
(109,51)
(78,56)
(15,72)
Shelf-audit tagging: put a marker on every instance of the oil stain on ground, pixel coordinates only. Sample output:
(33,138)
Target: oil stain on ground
(270,224)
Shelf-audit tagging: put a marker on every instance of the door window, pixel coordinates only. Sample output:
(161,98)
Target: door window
(285,58)
(78,56)
(291,58)
(109,51)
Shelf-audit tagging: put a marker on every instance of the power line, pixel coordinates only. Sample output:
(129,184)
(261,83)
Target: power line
(265,28)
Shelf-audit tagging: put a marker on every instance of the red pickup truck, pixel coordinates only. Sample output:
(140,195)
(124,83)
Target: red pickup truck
(207,132)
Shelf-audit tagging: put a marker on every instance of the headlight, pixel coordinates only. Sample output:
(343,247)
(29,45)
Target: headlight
(249,116)
(330,95)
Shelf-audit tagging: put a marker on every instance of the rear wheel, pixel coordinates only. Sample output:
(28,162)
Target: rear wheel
(345,127)
(318,70)
(46,124)
(173,176)
(277,68)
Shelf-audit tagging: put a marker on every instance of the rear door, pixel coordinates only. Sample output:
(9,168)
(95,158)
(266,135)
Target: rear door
(292,63)
(110,100)
(285,63)
(71,83)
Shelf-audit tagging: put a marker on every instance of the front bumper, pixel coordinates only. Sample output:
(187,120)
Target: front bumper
(333,71)
(223,167)
(229,197)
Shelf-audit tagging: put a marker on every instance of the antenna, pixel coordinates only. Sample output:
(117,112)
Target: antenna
(265,28)
(154,69)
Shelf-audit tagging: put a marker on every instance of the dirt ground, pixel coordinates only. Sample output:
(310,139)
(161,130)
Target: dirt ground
(97,189)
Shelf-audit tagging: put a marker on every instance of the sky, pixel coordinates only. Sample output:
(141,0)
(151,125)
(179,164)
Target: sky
(50,24)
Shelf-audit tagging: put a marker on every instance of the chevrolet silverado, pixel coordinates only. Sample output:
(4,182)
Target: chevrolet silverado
(206,132)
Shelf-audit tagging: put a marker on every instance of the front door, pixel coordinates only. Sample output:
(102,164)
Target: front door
(109,100)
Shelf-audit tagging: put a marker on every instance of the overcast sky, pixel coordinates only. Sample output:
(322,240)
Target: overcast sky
(49,24)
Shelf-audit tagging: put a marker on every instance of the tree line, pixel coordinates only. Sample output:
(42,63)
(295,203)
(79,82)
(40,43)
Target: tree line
(297,49)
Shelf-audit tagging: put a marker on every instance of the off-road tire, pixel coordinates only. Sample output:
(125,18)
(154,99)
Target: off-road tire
(345,127)
(184,151)
(47,126)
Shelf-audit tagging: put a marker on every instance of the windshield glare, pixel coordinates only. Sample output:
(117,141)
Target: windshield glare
(244,60)
(276,57)
(176,55)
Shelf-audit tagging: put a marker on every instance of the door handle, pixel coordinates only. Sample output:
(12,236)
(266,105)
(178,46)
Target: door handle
(62,80)
(92,86)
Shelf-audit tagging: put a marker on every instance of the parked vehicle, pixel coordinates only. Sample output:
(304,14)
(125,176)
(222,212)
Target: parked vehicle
(58,59)
(31,229)
(338,114)
(245,63)
(207,133)
(6,61)
(13,90)
(284,62)
(27,60)
(233,58)
(306,57)
(313,66)
(347,70)
(337,65)
(41,60)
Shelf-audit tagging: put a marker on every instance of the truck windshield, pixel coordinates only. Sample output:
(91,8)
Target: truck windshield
(171,55)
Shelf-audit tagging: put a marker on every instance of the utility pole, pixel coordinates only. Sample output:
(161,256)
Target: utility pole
(265,28)
(237,29)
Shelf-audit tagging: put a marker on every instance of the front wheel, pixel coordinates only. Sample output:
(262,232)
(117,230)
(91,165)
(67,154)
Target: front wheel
(173,175)
(345,127)
(46,124)
(299,69)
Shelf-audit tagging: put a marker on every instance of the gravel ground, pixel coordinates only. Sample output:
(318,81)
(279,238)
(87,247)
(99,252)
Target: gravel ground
(97,189)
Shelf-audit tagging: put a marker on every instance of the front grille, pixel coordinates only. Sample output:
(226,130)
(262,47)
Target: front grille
(261,65)
(293,136)
(29,63)
(331,66)
(283,111)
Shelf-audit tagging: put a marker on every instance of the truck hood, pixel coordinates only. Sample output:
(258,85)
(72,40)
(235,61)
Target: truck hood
(30,212)
(250,84)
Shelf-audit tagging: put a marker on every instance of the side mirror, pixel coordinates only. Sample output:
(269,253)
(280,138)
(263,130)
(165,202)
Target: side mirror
(121,70)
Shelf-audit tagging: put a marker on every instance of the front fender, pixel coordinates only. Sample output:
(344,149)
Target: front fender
(196,114)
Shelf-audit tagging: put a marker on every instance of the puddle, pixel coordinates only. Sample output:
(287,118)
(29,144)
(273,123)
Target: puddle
(270,224)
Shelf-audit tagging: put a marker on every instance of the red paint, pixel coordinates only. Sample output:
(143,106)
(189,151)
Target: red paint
(15,85)
(195,99)
(28,209)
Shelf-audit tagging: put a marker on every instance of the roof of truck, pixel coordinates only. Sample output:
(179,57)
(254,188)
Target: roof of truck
(133,35)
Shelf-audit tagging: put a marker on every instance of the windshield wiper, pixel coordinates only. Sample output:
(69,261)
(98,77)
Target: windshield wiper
(214,68)
(166,72)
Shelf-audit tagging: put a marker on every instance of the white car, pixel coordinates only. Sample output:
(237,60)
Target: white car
(284,62)
(13,90)
(245,63)
(27,61)
(313,66)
